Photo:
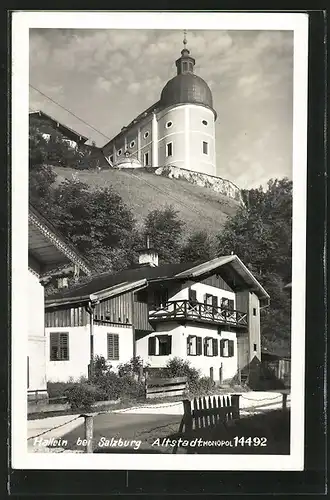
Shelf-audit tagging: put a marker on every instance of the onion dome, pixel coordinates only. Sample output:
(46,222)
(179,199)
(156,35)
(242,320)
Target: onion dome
(186,87)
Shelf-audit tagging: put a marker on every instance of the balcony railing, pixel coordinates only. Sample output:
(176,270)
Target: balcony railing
(197,311)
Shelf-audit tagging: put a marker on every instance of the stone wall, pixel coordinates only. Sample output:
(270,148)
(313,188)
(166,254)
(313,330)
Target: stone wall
(217,184)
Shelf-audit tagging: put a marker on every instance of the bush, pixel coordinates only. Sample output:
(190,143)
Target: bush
(116,387)
(58,389)
(133,367)
(177,367)
(82,395)
(202,386)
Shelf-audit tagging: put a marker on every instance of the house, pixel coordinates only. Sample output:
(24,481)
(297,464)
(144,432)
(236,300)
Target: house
(278,360)
(48,251)
(48,125)
(207,312)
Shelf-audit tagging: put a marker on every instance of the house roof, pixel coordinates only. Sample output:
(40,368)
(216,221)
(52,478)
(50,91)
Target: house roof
(108,284)
(49,248)
(67,131)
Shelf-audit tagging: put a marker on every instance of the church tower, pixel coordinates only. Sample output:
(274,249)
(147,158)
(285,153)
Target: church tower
(178,130)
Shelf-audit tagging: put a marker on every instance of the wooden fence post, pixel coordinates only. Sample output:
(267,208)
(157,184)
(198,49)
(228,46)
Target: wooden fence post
(235,404)
(88,432)
(187,418)
(284,401)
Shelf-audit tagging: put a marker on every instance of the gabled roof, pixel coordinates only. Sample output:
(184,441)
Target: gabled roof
(49,248)
(67,131)
(107,284)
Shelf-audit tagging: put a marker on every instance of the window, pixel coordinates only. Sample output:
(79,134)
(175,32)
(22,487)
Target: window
(210,346)
(192,296)
(111,159)
(142,296)
(204,122)
(59,346)
(205,148)
(254,311)
(227,304)
(161,297)
(146,159)
(132,144)
(169,149)
(169,124)
(211,301)
(160,345)
(113,346)
(226,348)
(185,66)
(194,345)
(146,135)
(254,347)
(119,152)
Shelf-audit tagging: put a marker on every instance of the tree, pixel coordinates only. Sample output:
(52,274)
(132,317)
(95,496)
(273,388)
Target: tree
(165,229)
(261,235)
(199,246)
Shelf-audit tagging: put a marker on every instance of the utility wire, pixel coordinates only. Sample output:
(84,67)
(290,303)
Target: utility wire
(71,113)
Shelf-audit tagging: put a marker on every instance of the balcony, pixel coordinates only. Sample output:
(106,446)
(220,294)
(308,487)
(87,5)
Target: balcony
(177,310)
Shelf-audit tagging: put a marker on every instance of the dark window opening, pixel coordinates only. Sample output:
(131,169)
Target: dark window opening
(111,158)
(113,346)
(142,296)
(192,296)
(146,159)
(161,297)
(185,66)
(227,304)
(254,311)
(205,148)
(59,346)
(254,347)
(160,345)
(169,149)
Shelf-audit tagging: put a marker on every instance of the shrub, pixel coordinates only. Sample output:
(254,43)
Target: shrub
(58,389)
(177,367)
(202,386)
(101,367)
(133,367)
(116,387)
(82,395)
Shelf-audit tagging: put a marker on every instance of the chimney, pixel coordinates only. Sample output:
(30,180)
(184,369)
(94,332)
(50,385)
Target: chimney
(62,283)
(148,256)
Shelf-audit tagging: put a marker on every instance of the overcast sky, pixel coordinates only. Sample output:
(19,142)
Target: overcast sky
(107,77)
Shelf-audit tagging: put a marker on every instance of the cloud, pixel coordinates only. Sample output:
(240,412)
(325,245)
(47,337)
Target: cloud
(103,84)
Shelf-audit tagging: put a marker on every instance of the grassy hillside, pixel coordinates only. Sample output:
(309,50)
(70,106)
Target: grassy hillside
(200,208)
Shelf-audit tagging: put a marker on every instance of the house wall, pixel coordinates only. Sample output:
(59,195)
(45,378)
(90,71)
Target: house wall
(179,349)
(254,326)
(36,363)
(201,290)
(79,350)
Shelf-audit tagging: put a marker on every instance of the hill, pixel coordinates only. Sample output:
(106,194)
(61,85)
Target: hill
(143,191)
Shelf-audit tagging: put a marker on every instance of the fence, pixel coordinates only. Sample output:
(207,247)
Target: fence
(201,413)
(165,387)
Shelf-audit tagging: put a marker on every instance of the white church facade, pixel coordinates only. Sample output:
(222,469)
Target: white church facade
(178,130)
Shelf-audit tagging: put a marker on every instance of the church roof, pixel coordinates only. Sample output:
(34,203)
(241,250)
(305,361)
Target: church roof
(186,88)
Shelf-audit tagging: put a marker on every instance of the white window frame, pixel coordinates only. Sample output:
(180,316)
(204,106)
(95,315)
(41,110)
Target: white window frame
(146,134)
(167,144)
(132,144)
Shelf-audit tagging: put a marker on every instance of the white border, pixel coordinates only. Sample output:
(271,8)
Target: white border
(22,21)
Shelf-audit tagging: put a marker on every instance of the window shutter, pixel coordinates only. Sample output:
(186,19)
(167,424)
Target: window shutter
(231,305)
(230,348)
(188,345)
(53,342)
(215,350)
(113,346)
(169,344)
(64,346)
(152,346)
(199,347)
(205,346)
(205,298)
(222,345)
(214,301)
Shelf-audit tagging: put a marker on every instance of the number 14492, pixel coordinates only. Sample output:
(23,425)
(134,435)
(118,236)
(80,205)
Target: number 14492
(250,441)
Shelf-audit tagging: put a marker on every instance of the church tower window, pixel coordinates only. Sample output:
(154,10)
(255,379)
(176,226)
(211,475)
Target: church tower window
(169,124)
(205,148)
(169,149)
(119,152)
(146,159)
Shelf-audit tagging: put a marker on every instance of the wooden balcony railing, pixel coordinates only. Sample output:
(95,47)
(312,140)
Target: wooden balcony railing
(197,311)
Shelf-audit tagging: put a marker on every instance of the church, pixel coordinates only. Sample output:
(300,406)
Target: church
(178,130)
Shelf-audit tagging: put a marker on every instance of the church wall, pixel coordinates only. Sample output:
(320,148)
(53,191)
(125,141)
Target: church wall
(197,133)
(174,134)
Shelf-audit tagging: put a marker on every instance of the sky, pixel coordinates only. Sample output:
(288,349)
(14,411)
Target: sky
(108,77)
